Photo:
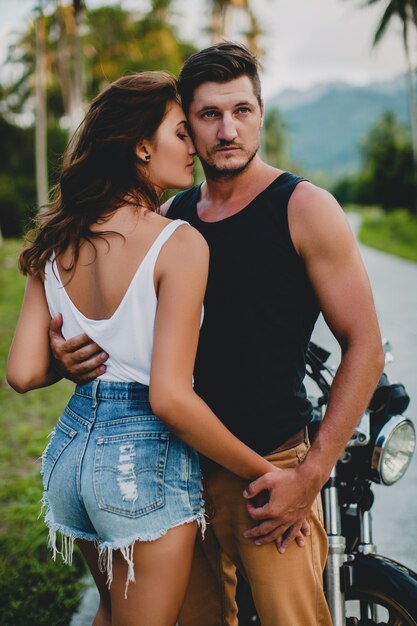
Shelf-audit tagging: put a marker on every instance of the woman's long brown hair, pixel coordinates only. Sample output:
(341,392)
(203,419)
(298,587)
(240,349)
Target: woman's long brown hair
(100,170)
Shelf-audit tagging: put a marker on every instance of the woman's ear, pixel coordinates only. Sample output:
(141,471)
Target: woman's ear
(143,151)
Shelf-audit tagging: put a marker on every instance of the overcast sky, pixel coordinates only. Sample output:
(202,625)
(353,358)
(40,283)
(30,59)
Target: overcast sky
(307,41)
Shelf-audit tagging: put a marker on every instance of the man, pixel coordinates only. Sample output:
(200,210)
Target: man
(281,251)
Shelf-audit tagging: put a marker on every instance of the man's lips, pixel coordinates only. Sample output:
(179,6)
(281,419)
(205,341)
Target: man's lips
(227,148)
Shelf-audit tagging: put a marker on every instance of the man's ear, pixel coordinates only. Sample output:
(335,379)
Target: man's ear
(143,151)
(262,106)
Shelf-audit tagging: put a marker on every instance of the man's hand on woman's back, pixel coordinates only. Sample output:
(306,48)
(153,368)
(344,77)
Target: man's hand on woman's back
(79,359)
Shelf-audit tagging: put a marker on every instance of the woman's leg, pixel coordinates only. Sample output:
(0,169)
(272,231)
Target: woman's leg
(90,553)
(162,569)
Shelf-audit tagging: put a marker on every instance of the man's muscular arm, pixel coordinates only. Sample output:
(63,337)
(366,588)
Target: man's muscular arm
(324,241)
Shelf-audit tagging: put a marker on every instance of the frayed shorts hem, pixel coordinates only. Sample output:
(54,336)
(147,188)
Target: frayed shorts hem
(105,548)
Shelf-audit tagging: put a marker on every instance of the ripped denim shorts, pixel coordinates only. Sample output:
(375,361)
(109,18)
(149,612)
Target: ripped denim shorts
(113,473)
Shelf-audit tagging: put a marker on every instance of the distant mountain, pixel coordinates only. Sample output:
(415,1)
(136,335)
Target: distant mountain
(325,123)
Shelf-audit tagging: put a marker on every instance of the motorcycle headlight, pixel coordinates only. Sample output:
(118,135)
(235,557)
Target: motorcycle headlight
(393,450)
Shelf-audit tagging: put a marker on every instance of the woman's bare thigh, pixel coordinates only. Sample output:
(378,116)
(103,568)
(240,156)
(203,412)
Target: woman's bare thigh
(162,569)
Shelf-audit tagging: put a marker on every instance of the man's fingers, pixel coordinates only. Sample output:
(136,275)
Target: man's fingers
(96,363)
(90,351)
(267,533)
(274,536)
(292,533)
(79,358)
(72,344)
(258,512)
(263,529)
(89,376)
(55,326)
(59,343)
(262,483)
(305,528)
(80,341)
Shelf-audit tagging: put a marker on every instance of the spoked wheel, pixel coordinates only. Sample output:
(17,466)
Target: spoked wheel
(371,609)
(381,593)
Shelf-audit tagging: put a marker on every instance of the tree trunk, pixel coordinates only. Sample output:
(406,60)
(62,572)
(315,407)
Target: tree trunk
(62,57)
(77,110)
(229,21)
(253,34)
(41,119)
(70,64)
(216,27)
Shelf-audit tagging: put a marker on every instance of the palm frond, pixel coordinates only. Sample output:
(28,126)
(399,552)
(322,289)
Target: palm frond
(383,24)
(367,3)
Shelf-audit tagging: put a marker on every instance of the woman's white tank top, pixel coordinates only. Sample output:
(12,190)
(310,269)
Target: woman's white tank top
(127,336)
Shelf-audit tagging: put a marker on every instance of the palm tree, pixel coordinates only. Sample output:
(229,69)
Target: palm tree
(161,10)
(69,66)
(223,14)
(406,11)
(41,120)
(69,61)
(252,35)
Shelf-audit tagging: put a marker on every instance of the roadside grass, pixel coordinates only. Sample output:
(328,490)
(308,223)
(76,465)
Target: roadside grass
(394,232)
(35,590)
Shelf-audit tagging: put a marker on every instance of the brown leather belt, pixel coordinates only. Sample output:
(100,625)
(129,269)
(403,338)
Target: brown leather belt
(291,442)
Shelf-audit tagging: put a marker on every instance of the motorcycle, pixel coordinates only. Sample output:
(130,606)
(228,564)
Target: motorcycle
(362,587)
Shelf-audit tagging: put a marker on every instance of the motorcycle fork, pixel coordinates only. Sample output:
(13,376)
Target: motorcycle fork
(336,557)
(336,573)
(366,546)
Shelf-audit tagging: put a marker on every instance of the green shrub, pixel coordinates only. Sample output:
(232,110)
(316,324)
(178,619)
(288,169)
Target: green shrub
(394,232)
(15,204)
(34,589)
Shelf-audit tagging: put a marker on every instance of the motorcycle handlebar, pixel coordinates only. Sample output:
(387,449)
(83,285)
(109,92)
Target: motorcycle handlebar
(390,398)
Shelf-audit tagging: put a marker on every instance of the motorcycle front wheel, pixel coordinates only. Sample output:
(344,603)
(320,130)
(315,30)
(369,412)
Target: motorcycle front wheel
(381,593)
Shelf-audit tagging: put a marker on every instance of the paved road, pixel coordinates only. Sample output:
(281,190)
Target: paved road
(394,282)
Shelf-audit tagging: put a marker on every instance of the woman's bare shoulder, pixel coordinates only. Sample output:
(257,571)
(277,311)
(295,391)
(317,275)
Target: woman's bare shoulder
(188,236)
(186,245)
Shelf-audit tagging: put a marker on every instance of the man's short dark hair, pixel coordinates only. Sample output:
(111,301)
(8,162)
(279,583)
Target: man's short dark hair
(219,63)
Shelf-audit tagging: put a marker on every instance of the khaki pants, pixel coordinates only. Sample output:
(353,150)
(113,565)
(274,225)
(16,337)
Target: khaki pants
(287,588)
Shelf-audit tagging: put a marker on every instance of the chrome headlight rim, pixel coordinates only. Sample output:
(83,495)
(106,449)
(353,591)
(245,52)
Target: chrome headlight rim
(381,443)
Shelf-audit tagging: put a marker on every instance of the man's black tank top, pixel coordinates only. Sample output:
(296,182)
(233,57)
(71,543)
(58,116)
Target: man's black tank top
(259,313)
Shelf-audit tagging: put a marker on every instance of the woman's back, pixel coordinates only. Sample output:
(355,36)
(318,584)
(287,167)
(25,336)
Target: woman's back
(104,272)
(111,294)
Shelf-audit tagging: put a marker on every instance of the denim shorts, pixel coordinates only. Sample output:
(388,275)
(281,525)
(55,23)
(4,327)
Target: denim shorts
(114,473)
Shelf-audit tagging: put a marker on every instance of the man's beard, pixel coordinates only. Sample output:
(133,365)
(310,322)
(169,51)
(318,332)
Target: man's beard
(213,172)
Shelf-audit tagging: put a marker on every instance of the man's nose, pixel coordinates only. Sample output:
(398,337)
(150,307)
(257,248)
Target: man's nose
(227,129)
(190,146)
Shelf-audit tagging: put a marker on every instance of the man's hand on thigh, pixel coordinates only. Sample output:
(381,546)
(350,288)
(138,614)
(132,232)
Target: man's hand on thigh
(283,517)
(79,359)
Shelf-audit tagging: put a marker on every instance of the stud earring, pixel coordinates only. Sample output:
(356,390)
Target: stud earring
(148,158)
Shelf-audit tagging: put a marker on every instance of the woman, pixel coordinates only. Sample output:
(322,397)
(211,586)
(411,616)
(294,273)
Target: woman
(121,482)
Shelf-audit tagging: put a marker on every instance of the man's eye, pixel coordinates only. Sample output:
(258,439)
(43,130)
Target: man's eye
(209,114)
(244,109)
